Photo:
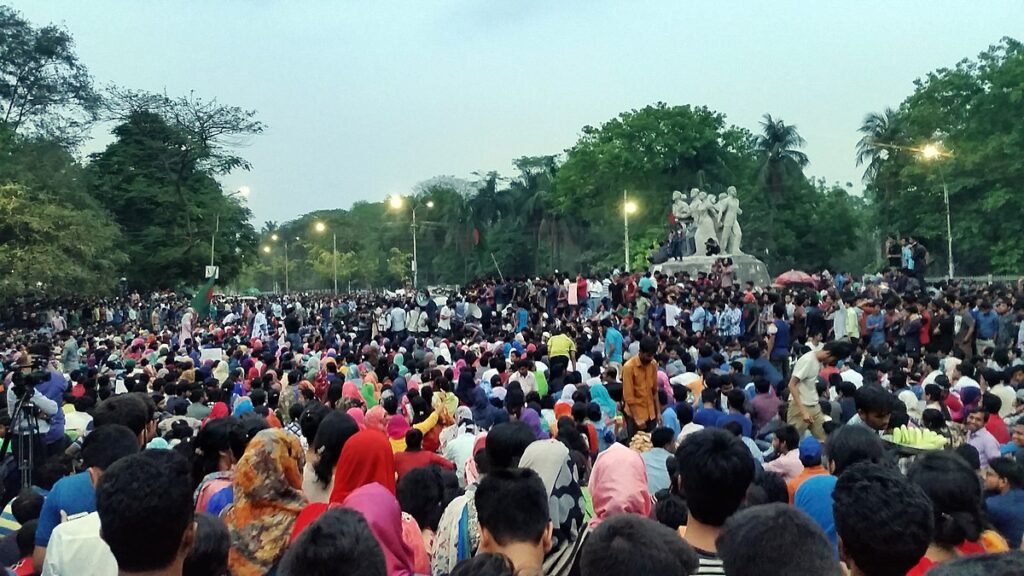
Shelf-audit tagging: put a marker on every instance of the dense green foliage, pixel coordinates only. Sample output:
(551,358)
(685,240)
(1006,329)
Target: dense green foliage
(148,206)
(145,209)
(973,111)
(566,212)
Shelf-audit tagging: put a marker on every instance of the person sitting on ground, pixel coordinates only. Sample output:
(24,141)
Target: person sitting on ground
(340,537)
(846,446)
(612,549)
(960,528)
(415,457)
(1005,564)
(663,444)
(787,446)
(775,540)
(134,492)
(715,470)
(883,522)
(874,408)
(209,554)
(1004,479)
(810,458)
(522,531)
(484,564)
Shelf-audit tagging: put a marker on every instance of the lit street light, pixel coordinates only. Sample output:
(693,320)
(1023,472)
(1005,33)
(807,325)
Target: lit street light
(930,152)
(628,207)
(321,227)
(396,202)
(274,237)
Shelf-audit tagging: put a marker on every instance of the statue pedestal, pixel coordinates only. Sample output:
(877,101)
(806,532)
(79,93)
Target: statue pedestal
(746,268)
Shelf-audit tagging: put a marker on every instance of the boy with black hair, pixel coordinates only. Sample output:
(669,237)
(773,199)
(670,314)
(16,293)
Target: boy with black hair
(145,508)
(662,446)
(775,540)
(341,537)
(522,531)
(1004,479)
(629,545)
(75,497)
(846,446)
(715,470)
(883,521)
(1005,564)
(786,444)
(874,408)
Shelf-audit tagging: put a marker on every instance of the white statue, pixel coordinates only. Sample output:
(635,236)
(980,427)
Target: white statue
(680,207)
(705,215)
(730,210)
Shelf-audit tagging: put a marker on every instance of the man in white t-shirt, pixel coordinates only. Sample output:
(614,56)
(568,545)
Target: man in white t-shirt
(76,548)
(444,319)
(804,410)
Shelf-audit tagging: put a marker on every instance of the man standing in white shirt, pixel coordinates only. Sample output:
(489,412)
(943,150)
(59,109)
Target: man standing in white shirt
(804,410)
(444,321)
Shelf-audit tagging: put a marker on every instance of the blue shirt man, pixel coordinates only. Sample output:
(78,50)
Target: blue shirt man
(987,323)
(612,343)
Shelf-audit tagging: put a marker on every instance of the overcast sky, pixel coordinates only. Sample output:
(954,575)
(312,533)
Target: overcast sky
(365,99)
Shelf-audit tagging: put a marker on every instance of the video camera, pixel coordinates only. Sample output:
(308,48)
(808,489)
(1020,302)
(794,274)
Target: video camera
(27,376)
(24,382)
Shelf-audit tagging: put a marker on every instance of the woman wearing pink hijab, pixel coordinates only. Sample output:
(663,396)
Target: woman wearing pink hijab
(357,415)
(377,419)
(384,515)
(618,485)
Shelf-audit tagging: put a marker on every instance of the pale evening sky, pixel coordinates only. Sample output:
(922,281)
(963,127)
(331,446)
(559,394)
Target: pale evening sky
(365,99)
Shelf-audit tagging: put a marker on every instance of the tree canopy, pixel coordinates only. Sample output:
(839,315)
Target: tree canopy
(970,113)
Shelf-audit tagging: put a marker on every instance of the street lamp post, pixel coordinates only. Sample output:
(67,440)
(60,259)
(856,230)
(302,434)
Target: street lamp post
(320,227)
(396,203)
(931,152)
(275,237)
(628,207)
(244,193)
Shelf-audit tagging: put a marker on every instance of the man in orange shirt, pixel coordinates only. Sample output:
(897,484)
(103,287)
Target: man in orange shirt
(810,457)
(640,388)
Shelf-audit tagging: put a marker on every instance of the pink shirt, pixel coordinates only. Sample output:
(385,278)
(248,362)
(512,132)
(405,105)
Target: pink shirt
(788,465)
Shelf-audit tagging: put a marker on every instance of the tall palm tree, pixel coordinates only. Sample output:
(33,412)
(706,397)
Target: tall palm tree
(778,147)
(877,128)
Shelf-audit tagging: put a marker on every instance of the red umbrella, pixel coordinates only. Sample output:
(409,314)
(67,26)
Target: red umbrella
(794,277)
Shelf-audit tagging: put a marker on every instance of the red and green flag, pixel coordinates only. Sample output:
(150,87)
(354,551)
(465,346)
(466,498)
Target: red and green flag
(201,303)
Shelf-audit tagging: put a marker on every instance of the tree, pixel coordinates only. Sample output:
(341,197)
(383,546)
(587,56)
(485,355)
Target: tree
(781,160)
(152,205)
(881,137)
(398,266)
(965,110)
(208,133)
(54,236)
(54,248)
(43,86)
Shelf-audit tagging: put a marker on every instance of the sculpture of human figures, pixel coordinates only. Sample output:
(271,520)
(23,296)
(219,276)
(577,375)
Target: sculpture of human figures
(680,207)
(730,210)
(704,216)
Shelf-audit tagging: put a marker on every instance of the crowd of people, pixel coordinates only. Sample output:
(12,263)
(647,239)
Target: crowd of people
(598,424)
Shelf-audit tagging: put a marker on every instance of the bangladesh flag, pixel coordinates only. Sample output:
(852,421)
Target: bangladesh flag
(201,303)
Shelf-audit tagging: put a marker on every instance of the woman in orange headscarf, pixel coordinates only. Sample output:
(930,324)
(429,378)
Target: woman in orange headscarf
(268,498)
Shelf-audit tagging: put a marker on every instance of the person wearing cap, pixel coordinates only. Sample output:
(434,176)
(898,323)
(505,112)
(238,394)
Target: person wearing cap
(810,457)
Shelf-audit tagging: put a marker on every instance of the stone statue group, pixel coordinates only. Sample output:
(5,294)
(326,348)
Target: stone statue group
(706,224)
